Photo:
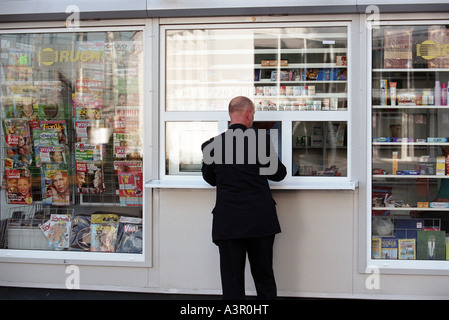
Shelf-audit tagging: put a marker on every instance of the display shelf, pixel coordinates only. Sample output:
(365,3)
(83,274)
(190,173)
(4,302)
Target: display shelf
(431,107)
(413,70)
(427,144)
(409,176)
(409,209)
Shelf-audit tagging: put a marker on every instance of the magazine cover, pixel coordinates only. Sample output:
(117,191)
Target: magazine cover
(389,248)
(25,106)
(60,126)
(130,188)
(127,166)
(430,245)
(80,234)
(17,137)
(89,177)
(87,101)
(87,130)
(88,152)
(57,231)
(407,249)
(127,146)
(104,228)
(45,137)
(130,235)
(50,154)
(376,248)
(55,185)
(18,186)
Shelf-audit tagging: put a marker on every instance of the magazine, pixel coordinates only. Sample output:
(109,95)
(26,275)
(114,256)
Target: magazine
(55,185)
(127,146)
(57,231)
(17,137)
(80,237)
(56,125)
(50,154)
(86,130)
(130,188)
(88,152)
(18,186)
(89,177)
(45,138)
(104,229)
(130,235)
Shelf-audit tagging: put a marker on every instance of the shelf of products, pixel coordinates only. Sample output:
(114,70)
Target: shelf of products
(71,108)
(410,143)
(297,78)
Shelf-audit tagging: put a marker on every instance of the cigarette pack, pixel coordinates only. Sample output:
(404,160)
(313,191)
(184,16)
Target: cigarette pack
(422,204)
(439,204)
(432,139)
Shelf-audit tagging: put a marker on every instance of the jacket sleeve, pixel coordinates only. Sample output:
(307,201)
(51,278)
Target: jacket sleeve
(208,170)
(280,173)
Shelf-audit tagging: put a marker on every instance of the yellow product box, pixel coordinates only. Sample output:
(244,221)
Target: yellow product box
(265,63)
(394,156)
(441,166)
(423,204)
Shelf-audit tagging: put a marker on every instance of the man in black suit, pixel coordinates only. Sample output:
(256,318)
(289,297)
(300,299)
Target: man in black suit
(239,163)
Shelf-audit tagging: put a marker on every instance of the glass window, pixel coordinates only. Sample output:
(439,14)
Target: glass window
(183,145)
(297,78)
(410,185)
(319,148)
(71,144)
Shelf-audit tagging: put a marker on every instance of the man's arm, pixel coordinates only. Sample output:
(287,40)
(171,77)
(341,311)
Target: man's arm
(208,170)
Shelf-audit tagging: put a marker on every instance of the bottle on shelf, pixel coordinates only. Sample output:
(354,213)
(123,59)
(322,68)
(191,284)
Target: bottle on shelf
(431,99)
(444,95)
(437,92)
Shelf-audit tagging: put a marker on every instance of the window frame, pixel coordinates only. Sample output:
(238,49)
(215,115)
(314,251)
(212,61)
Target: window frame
(99,258)
(287,117)
(418,267)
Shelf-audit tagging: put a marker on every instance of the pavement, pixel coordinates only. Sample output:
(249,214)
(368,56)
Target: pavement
(18,293)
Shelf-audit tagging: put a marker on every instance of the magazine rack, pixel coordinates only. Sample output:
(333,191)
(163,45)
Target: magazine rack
(23,226)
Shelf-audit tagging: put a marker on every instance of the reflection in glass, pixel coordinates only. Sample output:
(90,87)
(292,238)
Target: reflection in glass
(183,145)
(282,69)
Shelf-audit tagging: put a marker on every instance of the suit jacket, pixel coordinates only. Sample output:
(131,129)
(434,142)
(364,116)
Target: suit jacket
(244,205)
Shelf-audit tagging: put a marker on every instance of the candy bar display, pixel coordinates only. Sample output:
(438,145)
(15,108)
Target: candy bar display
(71,106)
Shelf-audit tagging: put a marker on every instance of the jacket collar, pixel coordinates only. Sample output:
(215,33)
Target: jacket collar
(238,126)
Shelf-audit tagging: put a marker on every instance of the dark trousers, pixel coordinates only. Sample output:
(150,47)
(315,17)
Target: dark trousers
(232,267)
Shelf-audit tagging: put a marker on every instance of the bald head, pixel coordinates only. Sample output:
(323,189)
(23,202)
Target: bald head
(241,110)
